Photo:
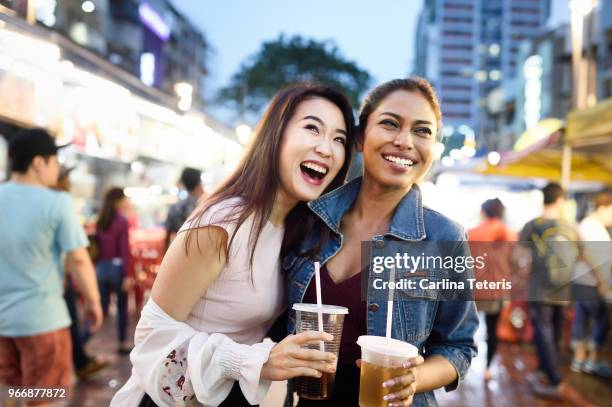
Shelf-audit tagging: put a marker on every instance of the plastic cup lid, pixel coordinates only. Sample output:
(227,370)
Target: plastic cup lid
(393,347)
(325,309)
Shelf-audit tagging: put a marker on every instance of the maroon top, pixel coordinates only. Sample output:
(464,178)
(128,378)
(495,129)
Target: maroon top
(114,242)
(346,294)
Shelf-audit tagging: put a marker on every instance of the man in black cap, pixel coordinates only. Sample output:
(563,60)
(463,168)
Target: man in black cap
(37,226)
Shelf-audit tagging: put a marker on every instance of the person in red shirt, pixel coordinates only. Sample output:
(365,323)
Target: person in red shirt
(492,229)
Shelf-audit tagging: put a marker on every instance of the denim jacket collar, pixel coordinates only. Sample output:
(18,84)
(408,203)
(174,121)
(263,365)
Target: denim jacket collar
(406,224)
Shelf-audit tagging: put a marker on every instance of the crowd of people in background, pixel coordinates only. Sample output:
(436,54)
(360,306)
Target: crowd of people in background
(53,275)
(567,265)
(49,281)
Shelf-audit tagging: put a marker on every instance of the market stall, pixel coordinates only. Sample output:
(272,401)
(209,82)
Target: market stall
(590,151)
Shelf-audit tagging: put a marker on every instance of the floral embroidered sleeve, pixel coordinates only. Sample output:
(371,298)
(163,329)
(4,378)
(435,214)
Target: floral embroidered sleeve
(179,366)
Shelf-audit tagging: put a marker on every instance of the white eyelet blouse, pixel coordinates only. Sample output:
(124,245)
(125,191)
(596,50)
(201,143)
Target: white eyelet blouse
(196,362)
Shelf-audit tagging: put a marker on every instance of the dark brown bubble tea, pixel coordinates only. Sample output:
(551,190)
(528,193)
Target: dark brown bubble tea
(313,388)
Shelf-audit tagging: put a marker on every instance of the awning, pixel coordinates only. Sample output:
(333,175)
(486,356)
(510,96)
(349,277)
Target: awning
(540,131)
(543,160)
(592,126)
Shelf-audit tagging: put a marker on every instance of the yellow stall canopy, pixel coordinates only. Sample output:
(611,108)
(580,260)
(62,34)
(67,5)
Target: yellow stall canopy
(588,131)
(591,127)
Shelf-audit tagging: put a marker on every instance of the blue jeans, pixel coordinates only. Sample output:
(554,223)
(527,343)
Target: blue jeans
(110,280)
(79,356)
(593,311)
(544,317)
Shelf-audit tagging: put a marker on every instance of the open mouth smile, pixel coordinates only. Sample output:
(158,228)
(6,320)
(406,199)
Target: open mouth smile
(314,172)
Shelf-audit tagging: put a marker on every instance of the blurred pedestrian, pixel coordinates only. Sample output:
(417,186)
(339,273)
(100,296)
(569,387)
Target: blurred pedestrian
(191,180)
(590,286)
(546,235)
(492,229)
(114,259)
(200,338)
(37,225)
(85,366)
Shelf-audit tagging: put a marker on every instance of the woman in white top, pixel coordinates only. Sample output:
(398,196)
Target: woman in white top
(219,288)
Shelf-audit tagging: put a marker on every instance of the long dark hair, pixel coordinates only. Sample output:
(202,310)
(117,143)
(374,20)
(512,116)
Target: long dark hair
(109,208)
(257,178)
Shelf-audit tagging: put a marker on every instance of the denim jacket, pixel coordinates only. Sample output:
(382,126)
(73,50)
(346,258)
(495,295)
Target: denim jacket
(443,328)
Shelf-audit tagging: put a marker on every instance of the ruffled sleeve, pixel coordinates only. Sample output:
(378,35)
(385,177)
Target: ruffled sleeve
(179,366)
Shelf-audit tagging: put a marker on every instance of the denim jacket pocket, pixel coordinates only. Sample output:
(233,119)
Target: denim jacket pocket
(418,305)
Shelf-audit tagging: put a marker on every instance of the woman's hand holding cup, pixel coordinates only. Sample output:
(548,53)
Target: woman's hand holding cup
(288,359)
(405,386)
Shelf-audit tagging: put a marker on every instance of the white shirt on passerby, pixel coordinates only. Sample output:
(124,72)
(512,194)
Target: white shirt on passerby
(596,246)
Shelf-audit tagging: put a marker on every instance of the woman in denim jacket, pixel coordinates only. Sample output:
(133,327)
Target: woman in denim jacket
(398,124)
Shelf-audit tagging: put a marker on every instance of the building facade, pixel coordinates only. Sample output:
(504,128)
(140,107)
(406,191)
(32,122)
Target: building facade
(149,39)
(476,46)
(543,84)
(603,50)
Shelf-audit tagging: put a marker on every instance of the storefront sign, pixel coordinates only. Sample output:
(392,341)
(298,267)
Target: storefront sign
(532,69)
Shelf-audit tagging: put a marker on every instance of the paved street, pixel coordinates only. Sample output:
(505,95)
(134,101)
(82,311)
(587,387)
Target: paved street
(510,387)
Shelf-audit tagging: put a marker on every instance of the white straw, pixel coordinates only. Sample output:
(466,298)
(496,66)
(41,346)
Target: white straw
(319,301)
(390,304)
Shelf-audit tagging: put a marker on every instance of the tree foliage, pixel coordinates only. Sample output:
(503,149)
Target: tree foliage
(287,60)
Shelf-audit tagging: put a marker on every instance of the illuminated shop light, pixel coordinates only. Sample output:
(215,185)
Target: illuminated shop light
(494,49)
(481,76)
(147,68)
(154,21)
(494,158)
(581,7)
(88,6)
(25,47)
(495,75)
(244,133)
(447,131)
(45,12)
(184,92)
(456,154)
(468,151)
(532,69)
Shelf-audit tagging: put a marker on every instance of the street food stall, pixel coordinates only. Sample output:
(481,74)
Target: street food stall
(121,133)
(587,132)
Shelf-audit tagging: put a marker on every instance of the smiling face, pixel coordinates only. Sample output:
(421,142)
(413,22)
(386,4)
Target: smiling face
(399,139)
(312,149)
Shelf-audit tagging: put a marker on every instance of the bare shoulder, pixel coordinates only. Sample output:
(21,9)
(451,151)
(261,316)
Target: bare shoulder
(191,264)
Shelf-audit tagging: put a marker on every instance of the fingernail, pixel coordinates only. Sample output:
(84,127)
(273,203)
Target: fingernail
(319,374)
(388,383)
(407,364)
(388,397)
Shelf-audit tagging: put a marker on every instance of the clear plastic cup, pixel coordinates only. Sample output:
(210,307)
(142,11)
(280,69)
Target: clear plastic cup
(381,360)
(307,319)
